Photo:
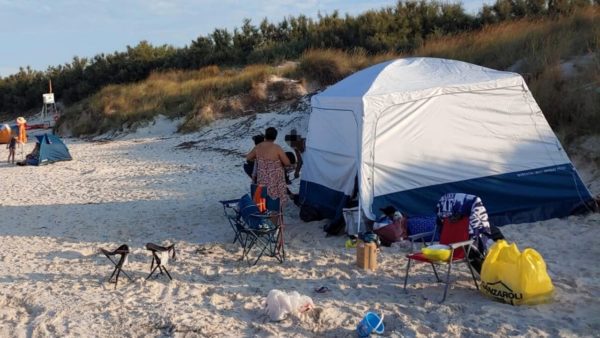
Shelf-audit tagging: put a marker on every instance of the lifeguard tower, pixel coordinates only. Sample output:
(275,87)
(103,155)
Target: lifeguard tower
(49,113)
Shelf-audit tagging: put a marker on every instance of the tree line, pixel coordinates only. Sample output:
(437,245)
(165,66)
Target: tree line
(400,28)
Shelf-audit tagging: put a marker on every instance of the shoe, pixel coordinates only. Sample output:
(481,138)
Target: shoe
(322,289)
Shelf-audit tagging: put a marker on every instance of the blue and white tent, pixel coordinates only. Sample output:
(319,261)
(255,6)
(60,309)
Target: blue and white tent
(51,149)
(410,130)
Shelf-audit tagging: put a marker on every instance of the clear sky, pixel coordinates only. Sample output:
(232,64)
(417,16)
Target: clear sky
(40,33)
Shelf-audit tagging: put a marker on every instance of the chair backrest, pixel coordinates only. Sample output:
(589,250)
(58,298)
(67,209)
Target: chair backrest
(454,231)
(123,249)
(247,207)
(261,198)
(248,210)
(159,248)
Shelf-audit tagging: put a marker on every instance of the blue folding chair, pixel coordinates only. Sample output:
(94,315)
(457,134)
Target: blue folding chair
(254,229)
(273,208)
(231,212)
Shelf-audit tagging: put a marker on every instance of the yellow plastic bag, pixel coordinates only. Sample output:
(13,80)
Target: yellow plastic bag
(510,276)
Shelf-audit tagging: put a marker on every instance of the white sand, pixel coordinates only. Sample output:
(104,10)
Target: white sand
(141,188)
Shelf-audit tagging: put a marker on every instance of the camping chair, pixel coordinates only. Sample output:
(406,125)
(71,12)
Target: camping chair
(232,213)
(422,230)
(231,210)
(254,228)
(455,234)
(272,207)
(243,215)
(262,230)
(122,251)
(160,259)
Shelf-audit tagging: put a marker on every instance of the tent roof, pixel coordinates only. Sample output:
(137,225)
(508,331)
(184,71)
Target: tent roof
(48,138)
(420,74)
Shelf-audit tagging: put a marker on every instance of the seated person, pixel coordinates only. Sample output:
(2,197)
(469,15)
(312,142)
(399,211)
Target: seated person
(32,158)
(298,143)
(299,147)
(287,170)
(249,165)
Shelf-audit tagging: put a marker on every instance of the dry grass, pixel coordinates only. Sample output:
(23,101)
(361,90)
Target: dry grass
(173,94)
(536,49)
(328,66)
(571,102)
(536,43)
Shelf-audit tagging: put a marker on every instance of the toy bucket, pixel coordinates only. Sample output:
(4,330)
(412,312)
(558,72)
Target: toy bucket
(371,322)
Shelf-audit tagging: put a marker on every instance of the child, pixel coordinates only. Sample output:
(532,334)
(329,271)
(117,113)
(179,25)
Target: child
(12,147)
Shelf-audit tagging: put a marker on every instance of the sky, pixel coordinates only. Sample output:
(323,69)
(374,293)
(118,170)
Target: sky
(49,33)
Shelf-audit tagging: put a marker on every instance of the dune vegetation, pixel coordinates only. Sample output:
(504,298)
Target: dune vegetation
(174,94)
(554,45)
(559,59)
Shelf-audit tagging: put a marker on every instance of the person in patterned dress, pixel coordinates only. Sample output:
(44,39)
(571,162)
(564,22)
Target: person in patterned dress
(271,161)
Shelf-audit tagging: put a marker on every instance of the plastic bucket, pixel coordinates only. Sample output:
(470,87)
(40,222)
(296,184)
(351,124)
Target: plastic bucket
(370,322)
(351,218)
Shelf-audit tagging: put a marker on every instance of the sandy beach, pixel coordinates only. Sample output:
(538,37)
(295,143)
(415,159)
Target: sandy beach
(158,186)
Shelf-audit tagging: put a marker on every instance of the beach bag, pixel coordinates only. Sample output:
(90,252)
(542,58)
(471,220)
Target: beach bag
(515,277)
(393,231)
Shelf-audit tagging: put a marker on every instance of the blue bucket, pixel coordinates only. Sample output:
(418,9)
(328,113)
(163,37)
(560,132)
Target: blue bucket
(371,322)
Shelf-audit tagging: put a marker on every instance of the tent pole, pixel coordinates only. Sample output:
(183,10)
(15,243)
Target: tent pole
(358,218)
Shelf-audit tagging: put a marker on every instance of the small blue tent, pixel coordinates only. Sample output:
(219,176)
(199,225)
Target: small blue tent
(51,149)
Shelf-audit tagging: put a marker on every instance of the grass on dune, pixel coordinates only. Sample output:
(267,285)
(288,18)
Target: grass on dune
(537,49)
(173,94)
(540,51)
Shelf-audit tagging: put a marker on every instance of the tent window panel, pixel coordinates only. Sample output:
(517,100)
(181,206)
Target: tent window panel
(333,131)
(330,170)
(461,136)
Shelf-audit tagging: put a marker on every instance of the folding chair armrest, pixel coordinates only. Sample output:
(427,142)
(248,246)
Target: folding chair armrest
(272,213)
(230,203)
(264,216)
(118,251)
(421,236)
(457,245)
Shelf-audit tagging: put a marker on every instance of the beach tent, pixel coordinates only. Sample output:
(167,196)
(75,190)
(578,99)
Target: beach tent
(51,149)
(411,130)
(5,134)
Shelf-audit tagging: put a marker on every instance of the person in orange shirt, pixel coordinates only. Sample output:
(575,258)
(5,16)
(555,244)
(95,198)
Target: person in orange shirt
(21,122)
